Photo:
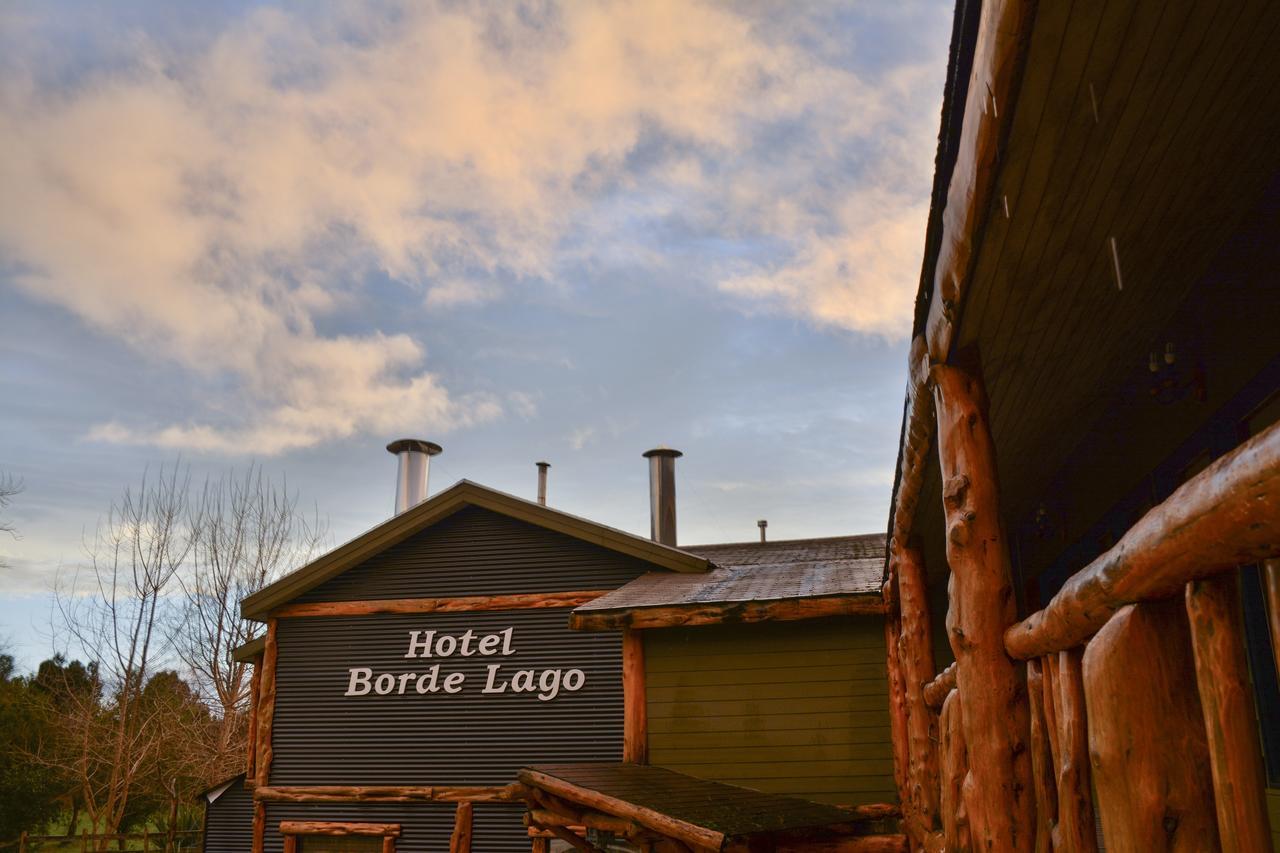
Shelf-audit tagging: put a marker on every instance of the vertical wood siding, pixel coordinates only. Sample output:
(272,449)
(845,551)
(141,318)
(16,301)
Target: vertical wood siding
(790,707)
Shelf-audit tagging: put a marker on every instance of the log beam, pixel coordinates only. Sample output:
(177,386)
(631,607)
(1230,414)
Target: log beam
(996,716)
(390,793)
(1230,721)
(266,705)
(1225,516)
(1004,34)
(915,648)
(1146,733)
(1077,831)
(735,612)
(687,833)
(635,714)
(954,767)
(459,604)
(338,828)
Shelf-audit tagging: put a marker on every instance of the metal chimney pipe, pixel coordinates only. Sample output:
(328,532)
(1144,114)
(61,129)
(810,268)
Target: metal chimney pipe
(762,524)
(414,456)
(662,494)
(542,481)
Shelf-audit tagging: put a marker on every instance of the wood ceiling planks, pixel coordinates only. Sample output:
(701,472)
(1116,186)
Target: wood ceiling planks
(1186,111)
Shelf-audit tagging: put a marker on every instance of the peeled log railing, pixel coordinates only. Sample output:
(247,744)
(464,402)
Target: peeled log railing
(1138,681)
(1227,515)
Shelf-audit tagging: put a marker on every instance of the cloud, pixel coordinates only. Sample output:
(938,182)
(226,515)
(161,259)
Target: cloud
(221,207)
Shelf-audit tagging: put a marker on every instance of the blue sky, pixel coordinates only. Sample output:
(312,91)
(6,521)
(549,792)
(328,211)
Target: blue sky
(287,234)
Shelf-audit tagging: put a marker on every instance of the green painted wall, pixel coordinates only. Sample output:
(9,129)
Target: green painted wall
(787,707)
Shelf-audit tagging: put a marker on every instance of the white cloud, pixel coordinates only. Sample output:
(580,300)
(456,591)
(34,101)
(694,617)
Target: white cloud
(219,209)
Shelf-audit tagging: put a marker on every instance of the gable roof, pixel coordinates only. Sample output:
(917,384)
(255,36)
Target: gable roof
(784,570)
(462,494)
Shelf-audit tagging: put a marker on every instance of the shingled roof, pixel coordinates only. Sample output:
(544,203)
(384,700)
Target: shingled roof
(844,570)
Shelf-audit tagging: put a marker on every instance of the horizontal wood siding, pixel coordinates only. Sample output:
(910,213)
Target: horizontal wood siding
(795,708)
(479,552)
(228,826)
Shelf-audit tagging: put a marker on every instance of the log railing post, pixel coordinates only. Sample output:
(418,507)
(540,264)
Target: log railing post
(1271,586)
(897,696)
(1042,769)
(1146,733)
(460,840)
(1077,831)
(954,766)
(1230,722)
(992,686)
(915,648)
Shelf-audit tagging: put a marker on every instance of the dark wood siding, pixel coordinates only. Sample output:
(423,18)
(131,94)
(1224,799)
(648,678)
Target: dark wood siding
(229,821)
(323,737)
(478,552)
(424,827)
(797,708)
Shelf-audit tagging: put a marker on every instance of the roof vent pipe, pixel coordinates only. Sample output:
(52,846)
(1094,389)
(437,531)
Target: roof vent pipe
(662,494)
(542,481)
(762,524)
(414,456)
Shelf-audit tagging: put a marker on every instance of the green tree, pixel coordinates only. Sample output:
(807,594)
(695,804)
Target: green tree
(30,792)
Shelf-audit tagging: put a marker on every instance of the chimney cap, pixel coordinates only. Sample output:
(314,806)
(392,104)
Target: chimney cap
(543,464)
(662,451)
(414,444)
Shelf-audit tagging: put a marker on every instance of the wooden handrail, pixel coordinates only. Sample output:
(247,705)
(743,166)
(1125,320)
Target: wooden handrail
(1224,516)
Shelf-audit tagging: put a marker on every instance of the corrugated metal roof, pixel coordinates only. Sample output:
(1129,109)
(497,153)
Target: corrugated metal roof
(760,571)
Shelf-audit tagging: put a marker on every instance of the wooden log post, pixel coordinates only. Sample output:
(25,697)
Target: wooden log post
(267,703)
(1077,830)
(1230,722)
(1146,733)
(259,826)
(1271,589)
(1046,786)
(635,720)
(460,840)
(915,648)
(954,766)
(255,686)
(997,720)
(897,705)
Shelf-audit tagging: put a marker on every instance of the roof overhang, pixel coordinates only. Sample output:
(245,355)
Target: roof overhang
(444,504)
(246,652)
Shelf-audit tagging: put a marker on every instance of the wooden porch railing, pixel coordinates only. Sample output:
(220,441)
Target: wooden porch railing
(1136,685)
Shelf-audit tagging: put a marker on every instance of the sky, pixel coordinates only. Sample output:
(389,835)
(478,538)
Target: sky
(238,233)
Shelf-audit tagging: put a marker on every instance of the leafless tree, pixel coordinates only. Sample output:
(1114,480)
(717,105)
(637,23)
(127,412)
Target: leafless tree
(246,530)
(9,487)
(113,613)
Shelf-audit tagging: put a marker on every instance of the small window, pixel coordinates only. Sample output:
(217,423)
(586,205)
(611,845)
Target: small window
(322,837)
